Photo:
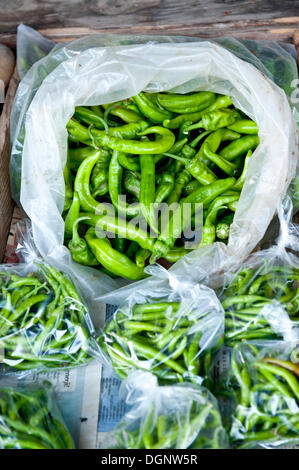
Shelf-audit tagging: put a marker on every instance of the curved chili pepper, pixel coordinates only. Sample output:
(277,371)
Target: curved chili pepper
(148,190)
(241,180)
(239,147)
(244,126)
(78,247)
(221,101)
(183,104)
(130,163)
(165,186)
(197,169)
(132,183)
(217,119)
(82,181)
(115,190)
(117,263)
(72,216)
(204,195)
(225,165)
(99,177)
(125,114)
(88,116)
(121,228)
(150,110)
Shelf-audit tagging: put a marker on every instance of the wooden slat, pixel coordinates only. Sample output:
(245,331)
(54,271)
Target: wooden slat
(281,29)
(6,203)
(144,14)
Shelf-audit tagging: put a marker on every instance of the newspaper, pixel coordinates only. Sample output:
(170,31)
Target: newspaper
(88,397)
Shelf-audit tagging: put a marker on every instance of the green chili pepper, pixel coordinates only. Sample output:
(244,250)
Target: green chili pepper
(244,126)
(72,216)
(165,187)
(225,165)
(117,263)
(221,101)
(130,163)
(170,232)
(189,103)
(115,190)
(78,247)
(132,183)
(150,110)
(239,147)
(148,190)
(241,180)
(217,119)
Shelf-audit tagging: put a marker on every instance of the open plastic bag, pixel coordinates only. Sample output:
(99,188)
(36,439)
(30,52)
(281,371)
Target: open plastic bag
(30,419)
(261,301)
(44,323)
(170,331)
(263,384)
(182,416)
(86,73)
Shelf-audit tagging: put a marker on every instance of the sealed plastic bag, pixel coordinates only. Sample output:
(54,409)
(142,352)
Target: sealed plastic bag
(263,382)
(261,301)
(170,331)
(30,419)
(44,323)
(181,416)
(85,73)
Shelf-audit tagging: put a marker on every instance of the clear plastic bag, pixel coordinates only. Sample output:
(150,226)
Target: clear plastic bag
(30,419)
(261,300)
(170,331)
(263,381)
(182,416)
(44,323)
(86,73)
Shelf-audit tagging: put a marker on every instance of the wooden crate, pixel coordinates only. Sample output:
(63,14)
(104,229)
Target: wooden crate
(10,215)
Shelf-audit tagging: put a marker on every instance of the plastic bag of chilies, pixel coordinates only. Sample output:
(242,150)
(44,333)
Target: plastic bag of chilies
(44,323)
(181,416)
(87,72)
(262,386)
(170,331)
(30,419)
(261,301)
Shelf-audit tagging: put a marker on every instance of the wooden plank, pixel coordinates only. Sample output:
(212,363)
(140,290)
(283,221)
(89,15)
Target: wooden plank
(6,203)
(112,14)
(272,30)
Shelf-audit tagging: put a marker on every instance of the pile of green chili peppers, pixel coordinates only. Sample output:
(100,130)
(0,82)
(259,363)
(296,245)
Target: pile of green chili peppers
(158,338)
(266,387)
(176,420)
(250,291)
(42,320)
(28,420)
(152,148)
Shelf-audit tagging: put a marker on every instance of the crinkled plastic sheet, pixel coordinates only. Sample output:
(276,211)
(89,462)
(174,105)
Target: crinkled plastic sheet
(180,416)
(27,336)
(282,318)
(197,324)
(35,418)
(269,410)
(86,73)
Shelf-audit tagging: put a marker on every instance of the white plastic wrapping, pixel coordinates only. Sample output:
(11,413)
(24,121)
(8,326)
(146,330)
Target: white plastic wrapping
(179,416)
(263,384)
(97,75)
(170,331)
(44,322)
(261,299)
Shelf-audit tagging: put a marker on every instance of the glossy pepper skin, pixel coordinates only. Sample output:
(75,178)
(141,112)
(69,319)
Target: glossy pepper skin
(204,195)
(117,263)
(154,150)
(79,249)
(220,102)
